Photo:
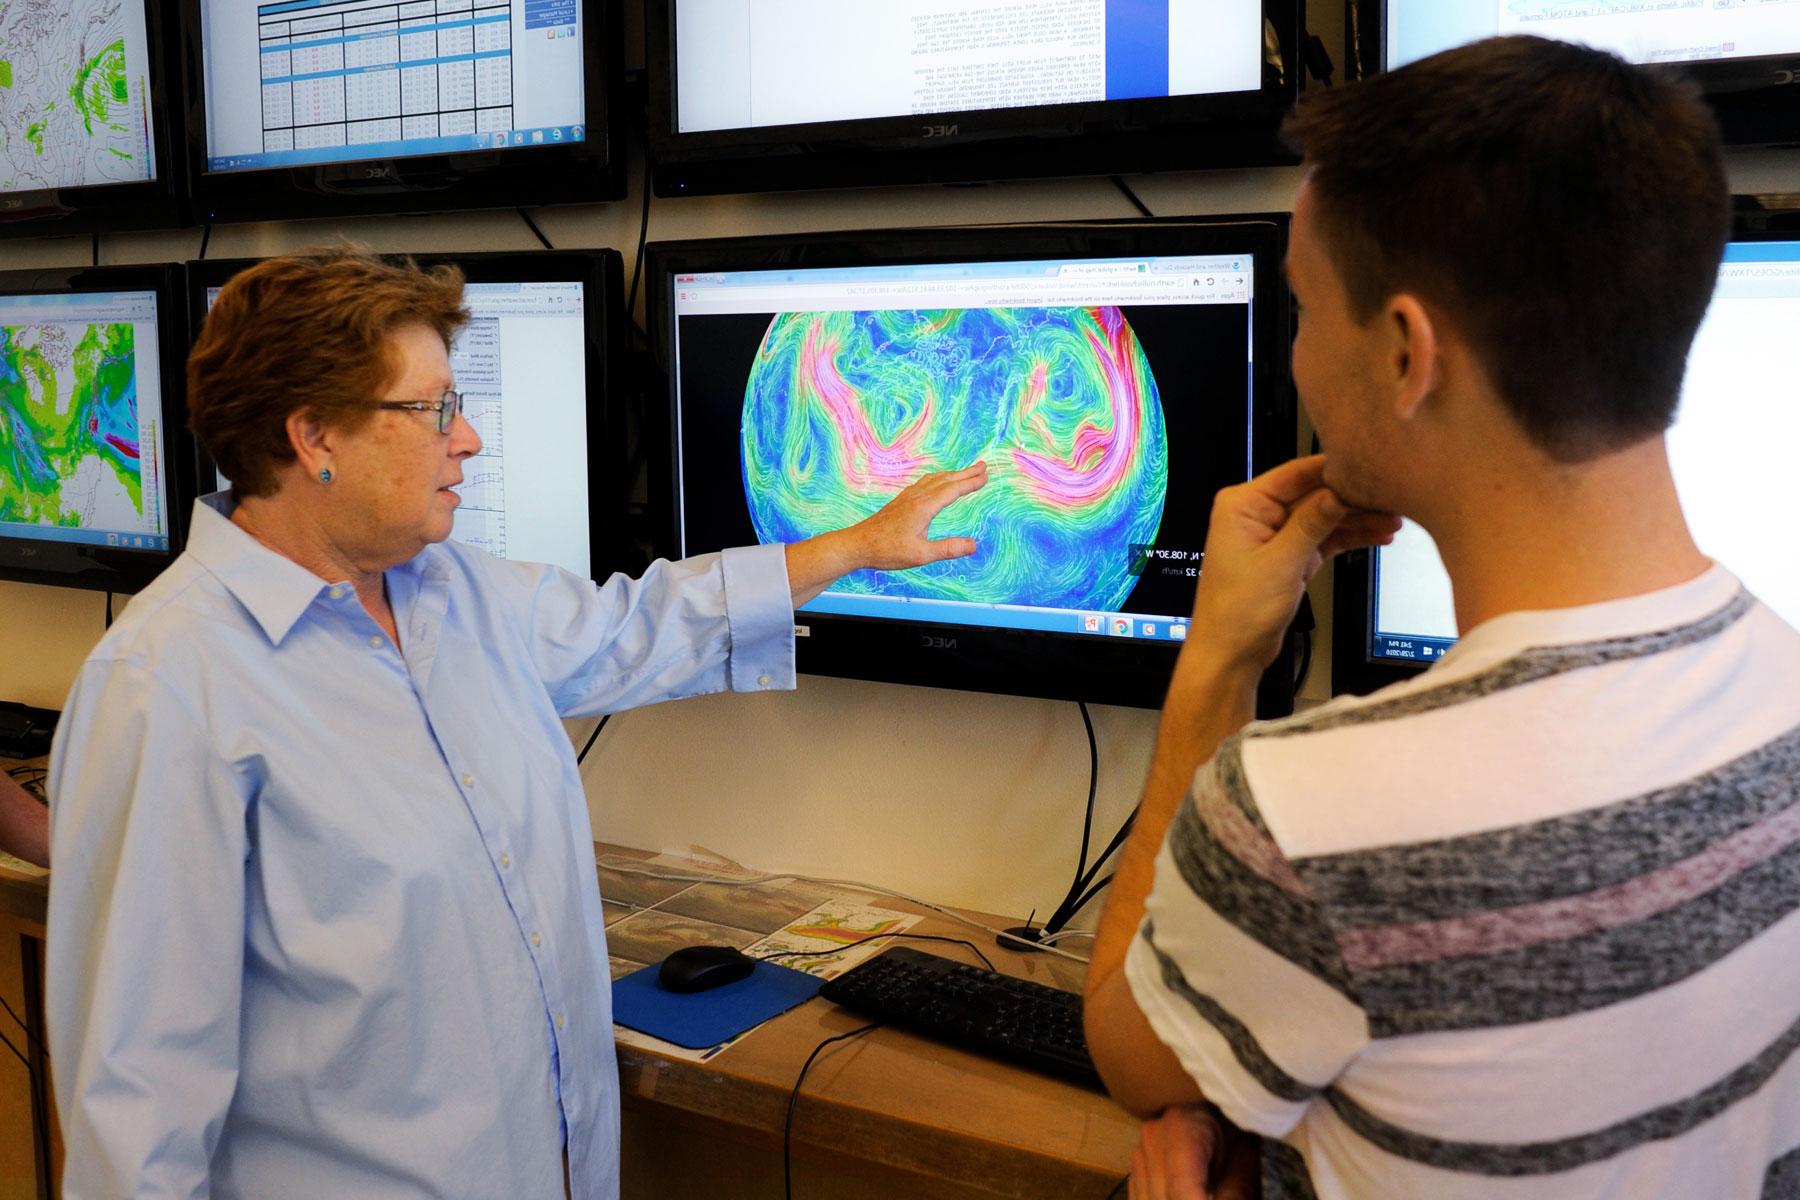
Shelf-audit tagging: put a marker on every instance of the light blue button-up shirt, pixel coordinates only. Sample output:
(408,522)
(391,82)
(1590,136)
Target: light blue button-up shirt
(324,920)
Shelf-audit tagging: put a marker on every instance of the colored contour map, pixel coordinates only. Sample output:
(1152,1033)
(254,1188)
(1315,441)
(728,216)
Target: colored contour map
(844,409)
(71,113)
(69,426)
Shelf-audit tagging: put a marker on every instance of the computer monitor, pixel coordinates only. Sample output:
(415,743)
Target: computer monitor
(300,108)
(1112,375)
(533,366)
(1729,449)
(85,91)
(97,468)
(1743,55)
(754,96)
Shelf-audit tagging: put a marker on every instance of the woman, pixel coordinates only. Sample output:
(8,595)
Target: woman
(325,919)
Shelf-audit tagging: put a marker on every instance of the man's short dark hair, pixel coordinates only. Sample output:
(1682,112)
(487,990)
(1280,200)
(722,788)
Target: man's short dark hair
(1566,209)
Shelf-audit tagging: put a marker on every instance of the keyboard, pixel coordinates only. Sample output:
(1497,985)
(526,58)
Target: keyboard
(997,1015)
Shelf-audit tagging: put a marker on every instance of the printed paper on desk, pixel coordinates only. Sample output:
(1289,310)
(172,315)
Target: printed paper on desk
(851,930)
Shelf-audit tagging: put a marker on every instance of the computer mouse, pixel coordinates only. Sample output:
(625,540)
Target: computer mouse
(702,968)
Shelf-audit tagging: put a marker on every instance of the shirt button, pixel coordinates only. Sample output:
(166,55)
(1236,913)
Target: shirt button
(559,1020)
(375,640)
(536,939)
(337,593)
(468,781)
(505,861)
(762,681)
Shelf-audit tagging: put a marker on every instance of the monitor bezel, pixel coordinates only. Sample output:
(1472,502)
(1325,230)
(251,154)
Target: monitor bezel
(601,273)
(1012,662)
(1354,670)
(1754,99)
(1102,137)
(574,173)
(111,568)
(157,203)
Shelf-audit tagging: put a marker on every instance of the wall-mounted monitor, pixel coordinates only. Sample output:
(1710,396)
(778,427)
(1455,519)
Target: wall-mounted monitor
(533,366)
(1112,375)
(1744,55)
(86,97)
(96,469)
(313,108)
(758,95)
(1729,450)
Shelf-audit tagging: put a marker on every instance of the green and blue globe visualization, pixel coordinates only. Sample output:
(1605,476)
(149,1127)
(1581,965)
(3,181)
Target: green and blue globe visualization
(844,409)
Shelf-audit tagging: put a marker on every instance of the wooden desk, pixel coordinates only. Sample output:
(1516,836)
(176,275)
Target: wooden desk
(887,1115)
(24,896)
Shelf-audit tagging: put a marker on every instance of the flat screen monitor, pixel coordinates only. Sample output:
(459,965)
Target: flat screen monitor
(333,107)
(85,90)
(97,468)
(1111,375)
(756,95)
(1729,449)
(1743,54)
(532,366)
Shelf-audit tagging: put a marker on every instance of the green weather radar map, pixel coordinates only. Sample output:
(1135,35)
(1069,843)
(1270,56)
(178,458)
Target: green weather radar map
(73,84)
(73,442)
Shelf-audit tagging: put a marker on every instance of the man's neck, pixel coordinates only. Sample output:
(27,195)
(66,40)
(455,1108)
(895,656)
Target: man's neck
(1527,534)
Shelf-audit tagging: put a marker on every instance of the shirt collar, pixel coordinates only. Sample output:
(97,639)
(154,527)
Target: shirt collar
(276,590)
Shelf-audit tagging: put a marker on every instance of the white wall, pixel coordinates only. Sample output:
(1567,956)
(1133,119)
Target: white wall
(968,799)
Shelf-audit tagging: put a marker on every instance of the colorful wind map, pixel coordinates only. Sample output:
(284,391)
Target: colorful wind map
(844,409)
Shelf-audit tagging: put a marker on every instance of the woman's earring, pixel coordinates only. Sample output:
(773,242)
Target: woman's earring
(325,475)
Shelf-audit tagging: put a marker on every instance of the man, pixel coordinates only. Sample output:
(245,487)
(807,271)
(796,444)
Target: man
(1526,925)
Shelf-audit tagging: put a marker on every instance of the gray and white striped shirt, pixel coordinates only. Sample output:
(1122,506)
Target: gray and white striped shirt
(1526,926)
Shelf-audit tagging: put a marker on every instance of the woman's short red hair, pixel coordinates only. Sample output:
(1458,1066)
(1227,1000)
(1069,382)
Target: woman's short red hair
(305,333)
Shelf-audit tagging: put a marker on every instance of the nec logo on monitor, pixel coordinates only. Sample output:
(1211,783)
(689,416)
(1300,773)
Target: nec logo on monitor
(942,131)
(937,643)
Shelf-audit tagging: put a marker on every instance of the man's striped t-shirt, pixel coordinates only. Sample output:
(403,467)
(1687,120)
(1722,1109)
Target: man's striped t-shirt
(1526,926)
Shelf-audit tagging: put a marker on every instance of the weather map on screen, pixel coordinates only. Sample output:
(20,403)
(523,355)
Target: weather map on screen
(844,409)
(73,94)
(1109,398)
(81,419)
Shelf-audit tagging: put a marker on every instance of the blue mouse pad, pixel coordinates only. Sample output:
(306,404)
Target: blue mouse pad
(699,1020)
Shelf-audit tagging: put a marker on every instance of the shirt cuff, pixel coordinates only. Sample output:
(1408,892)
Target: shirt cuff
(759,607)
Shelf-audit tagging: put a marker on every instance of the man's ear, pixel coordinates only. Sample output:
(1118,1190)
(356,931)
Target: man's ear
(1414,353)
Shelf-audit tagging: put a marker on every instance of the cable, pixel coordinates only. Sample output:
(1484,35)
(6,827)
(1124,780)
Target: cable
(1052,939)
(787,1126)
(28,1035)
(1125,188)
(1084,889)
(8,1043)
(1119,1188)
(109,616)
(1306,653)
(744,876)
(205,237)
(96,250)
(590,742)
(917,937)
(637,266)
(533,226)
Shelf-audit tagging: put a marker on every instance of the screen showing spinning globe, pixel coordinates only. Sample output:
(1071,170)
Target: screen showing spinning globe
(843,409)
